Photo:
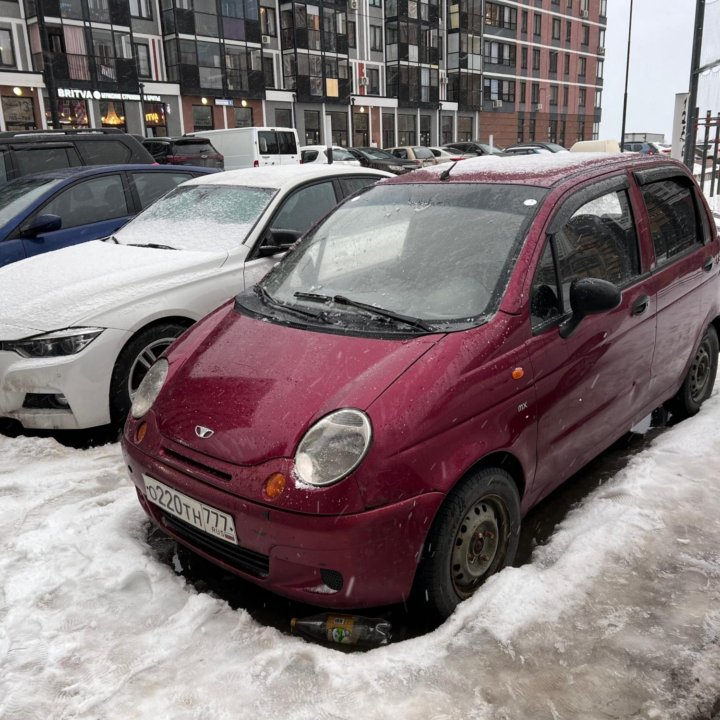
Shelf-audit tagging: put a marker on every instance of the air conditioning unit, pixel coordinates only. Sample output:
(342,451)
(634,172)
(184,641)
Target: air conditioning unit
(538,106)
(352,4)
(265,39)
(497,103)
(601,51)
(584,14)
(364,81)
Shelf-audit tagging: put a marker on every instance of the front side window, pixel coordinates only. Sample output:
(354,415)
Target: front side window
(88,202)
(598,241)
(442,254)
(305,207)
(673,218)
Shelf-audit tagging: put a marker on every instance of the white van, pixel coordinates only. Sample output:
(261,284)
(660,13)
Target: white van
(606,146)
(254,146)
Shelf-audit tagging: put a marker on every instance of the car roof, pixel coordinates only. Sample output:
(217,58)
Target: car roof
(282,176)
(90,170)
(544,170)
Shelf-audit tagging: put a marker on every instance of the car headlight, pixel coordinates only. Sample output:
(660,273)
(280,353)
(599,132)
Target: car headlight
(149,389)
(54,344)
(396,168)
(333,447)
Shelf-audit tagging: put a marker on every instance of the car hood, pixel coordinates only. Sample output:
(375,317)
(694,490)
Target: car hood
(81,283)
(260,385)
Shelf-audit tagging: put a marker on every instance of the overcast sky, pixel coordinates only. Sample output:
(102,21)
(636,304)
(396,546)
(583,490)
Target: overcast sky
(660,50)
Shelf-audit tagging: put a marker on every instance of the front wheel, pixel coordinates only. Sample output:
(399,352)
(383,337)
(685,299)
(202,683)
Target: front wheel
(474,535)
(700,378)
(136,358)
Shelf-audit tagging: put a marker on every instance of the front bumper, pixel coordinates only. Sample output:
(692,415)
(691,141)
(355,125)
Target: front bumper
(82,379)
(337,561)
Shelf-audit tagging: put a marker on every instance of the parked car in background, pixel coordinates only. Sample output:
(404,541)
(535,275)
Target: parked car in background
(549,146)
(414,152)
(474,148)
(80,327)
(319,154)
(51,210)
(30,151)
(526,150)
(604,146)
(489,332)
(648,148)
(254,146)
(382,160)
(443,155)
(184,151)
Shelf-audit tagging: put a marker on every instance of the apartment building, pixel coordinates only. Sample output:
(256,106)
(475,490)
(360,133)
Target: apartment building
(359,72)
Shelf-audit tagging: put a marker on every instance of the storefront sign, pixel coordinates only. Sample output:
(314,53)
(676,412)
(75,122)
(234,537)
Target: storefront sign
(72,94)
(223,101)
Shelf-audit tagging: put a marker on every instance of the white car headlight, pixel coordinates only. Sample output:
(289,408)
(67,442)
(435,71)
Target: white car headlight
(333,447)
(149,389)
(55,344)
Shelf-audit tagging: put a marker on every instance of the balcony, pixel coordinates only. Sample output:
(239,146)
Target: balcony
(81,68)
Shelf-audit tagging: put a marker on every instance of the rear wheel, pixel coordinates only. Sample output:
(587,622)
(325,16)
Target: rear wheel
(700,378)
(136,358)
(475,534)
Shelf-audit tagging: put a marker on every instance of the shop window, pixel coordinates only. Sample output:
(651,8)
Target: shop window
(202,117)
(155,121)
(19,113)
(388,122)
(465,129)
(312,127)
(112,114)
(283,117)
(73,113)
(243,117)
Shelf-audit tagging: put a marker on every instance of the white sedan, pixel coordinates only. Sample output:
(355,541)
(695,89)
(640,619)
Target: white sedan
(79,327)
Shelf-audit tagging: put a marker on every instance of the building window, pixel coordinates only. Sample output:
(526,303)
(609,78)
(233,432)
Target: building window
(498,53)
(312,127)
(523,87)
(582,97)
(585,35)
(495,89)
(566,95)
(376,37)
(556,28)
(582,66)
(524,21)
(19,113)
(283,117)
(566,68)
(523,57)
(268,22)
(202,117)
(243,117)
(520,130)
(553,95)
(465,129)
(407,129)
(537,24)
(339,128)
(535,93)
(531,130)
(142,60)
(375,3)
(7,56)
(268,71)
(599,69)
(536,59)
(141,9)
(553,61)
(373,76)
(568,31)
(388,124)
(500,16)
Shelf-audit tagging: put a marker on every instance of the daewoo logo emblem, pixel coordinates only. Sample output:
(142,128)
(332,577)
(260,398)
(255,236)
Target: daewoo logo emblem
(203,432)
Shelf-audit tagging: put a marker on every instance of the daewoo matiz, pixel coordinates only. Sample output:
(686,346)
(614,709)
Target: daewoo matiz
(445,349)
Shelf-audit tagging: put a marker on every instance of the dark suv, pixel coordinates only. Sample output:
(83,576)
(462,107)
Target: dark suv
(184,151)
(32,151)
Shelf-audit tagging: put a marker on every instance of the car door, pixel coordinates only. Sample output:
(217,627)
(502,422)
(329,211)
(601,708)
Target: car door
(593,385)
(88,209)
(297,211)
(684,271)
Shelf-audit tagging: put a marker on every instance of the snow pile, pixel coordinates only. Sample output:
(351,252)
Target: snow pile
(618,616)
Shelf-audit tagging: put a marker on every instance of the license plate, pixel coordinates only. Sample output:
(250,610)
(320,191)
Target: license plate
(199,515)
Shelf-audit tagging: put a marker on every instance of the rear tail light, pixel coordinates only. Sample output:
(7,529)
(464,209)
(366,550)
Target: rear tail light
(178,159)
(256,163)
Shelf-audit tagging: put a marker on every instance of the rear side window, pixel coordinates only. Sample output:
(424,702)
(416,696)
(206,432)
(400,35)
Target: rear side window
(309,156)
(193,149)
(305,206)
(102,152)
(422,153)
(94,200)
(673,218)
(353,184)
(400,153)
(286,143)
(150,186)
(40,159)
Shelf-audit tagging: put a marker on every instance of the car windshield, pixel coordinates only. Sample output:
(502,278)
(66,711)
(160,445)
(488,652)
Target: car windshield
(341,154)
(377,154)
(440,253)
(422,152)
(18,195)
(491,149)
(199,217)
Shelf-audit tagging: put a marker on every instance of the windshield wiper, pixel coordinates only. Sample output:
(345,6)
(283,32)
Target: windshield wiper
(382,312)
(270,300)
(155,246)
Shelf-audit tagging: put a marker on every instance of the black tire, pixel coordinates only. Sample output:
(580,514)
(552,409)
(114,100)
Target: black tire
(474,535)
(700,379)
(133,363)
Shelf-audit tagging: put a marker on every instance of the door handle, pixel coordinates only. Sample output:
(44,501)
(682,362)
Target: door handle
(640,305)
(708,265)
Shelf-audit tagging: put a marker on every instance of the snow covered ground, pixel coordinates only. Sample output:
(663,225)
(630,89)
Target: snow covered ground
(617,616)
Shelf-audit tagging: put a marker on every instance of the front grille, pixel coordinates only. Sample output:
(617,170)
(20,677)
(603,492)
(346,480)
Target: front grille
(185,464)
(249,561)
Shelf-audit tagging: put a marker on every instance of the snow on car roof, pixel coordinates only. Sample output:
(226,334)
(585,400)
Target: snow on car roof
(282,176)
(541,170)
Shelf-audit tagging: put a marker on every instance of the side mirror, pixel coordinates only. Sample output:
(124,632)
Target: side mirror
(279,240)
(41,224)
(588,297)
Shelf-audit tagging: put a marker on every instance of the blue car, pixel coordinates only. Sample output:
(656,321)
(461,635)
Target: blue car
(54,209)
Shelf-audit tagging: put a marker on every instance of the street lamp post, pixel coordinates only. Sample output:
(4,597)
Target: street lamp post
(143,124)
(627,74)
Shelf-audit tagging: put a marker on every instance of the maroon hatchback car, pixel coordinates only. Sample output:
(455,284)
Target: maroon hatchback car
(441,352)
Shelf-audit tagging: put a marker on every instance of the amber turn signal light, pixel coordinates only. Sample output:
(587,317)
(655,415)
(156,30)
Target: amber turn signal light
(517,373)
(140,432)
(274,486)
